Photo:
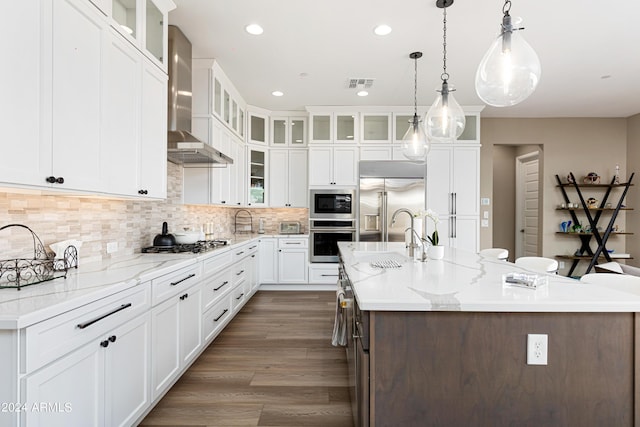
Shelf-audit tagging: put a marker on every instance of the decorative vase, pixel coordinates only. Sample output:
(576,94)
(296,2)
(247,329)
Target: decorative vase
(435,252)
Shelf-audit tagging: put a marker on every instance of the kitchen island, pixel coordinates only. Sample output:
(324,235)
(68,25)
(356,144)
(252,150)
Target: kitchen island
(445,343)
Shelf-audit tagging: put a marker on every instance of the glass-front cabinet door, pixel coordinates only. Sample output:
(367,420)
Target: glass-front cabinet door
(217,98)
(400,126)
(376,128)
(321,128)
(257,176)
(346,127)
(125,13)
(279,132)
(298,131)
(154,35)
(258,128)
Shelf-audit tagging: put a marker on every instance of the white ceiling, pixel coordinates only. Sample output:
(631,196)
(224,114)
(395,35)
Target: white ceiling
(578,42)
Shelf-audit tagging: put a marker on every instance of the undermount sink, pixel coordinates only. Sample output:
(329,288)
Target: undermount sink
(373,256)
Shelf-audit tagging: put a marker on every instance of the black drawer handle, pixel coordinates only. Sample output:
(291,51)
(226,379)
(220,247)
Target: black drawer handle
(104,343)
(226,282)
(112,338)
(97,319)
(239,272)
(241,295)
(239,253)
(223,313)
(253,247)
(182,280)
(184,297)
(292,243)
(329,275)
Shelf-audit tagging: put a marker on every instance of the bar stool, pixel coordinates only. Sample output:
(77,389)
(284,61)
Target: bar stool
(538,263)
(494,253)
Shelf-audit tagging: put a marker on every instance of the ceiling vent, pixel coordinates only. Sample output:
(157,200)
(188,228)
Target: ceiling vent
(359,83)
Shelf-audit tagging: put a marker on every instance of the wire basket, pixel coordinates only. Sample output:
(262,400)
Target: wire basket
(20,272)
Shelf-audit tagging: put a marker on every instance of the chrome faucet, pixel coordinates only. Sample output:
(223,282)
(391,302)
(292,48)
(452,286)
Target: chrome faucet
(412,245)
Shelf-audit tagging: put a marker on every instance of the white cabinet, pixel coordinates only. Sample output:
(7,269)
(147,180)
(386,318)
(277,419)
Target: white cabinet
(258,126)
(376,153)
(268,260)
(330,127)
(323,273)
(333,165)
(288,178)
(376,128)
(453,191)
(105,381)
(283,260)
(288,132)
(293,258)
(257,191)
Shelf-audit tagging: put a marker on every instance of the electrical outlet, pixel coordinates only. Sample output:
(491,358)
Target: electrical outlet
(112,247)
(537,346)
(484,223)
(485,214)
(561,264)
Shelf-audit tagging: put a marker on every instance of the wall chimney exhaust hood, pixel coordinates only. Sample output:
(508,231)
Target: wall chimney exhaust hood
(183,147)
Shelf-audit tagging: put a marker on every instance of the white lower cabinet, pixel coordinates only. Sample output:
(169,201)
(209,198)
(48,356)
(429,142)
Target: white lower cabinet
(323,273)
(283,260)
(104,382)
(176,336)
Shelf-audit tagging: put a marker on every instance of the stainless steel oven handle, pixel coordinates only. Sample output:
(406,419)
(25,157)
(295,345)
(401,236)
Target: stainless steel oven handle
(333,230)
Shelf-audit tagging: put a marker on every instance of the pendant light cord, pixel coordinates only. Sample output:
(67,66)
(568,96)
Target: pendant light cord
(444,76)
(415,87)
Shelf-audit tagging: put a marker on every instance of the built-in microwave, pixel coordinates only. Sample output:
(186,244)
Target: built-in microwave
(334,204)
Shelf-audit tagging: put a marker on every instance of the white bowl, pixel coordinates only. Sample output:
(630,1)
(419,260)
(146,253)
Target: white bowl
(187,237)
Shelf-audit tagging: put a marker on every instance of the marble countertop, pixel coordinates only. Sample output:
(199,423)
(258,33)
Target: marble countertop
(90,282)
(463,281)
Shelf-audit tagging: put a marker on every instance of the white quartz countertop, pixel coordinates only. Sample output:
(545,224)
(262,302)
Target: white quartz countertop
(463,281)
(91,282)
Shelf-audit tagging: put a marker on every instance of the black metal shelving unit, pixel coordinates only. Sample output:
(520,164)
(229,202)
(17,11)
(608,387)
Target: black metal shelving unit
(585,253)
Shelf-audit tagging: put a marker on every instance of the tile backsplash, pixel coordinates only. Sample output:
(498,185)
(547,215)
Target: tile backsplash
(131,223)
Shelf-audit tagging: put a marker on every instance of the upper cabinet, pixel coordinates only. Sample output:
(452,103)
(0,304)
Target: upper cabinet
(376,128)
(289,132)
(142,22)
(258,125)
(330,127)
(215,96)
(84,99)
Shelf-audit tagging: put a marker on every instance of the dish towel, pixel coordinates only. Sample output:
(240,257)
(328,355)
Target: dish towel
(339,337)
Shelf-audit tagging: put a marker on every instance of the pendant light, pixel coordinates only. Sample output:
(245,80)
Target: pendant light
(415,145)
(510,70)
(445,119)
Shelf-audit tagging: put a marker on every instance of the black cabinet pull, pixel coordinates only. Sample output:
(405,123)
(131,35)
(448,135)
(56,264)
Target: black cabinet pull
(112,338)
(223,201)
(182,280)
(239,253)
(220,287)
(253,256)
(223,313)
(104,343)
(239,272)
(51,179)
(241,295)
(329,275)
(97,319)
(143,192)
(253,247)
(183,297)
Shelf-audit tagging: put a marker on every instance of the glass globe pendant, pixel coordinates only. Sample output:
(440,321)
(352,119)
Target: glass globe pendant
(445,119)
(510,70)
(415,145)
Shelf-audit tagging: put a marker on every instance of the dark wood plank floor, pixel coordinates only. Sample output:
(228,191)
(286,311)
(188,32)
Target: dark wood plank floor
(273,365)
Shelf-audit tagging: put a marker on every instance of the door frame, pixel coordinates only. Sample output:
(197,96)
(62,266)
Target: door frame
(520,161)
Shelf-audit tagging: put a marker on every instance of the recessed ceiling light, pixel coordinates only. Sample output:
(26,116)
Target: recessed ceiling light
(254,29)
(382,30)
(277,93)
(363,93)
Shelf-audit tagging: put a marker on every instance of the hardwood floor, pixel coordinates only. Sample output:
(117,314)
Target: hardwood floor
(273,365)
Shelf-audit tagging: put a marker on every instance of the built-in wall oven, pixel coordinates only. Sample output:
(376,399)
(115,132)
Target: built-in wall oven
(332,219)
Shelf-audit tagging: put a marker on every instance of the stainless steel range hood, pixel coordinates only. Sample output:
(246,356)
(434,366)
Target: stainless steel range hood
(183,147)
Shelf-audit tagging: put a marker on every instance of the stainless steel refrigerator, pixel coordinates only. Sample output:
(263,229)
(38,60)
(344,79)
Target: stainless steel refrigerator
(384,187)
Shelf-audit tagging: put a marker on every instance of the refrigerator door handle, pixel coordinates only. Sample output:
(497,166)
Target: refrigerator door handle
(385,226)
(455,203)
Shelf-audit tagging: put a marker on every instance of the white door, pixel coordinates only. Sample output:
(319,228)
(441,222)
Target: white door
(320,166)
(190,324)
(439,198)
(298,188)
(466,173)
(293,265)
(165,353)
(268,260)
(527,167)
(278,171)
(345,165)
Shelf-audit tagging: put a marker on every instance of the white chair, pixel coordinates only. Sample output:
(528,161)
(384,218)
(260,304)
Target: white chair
(494,253)
(538,263)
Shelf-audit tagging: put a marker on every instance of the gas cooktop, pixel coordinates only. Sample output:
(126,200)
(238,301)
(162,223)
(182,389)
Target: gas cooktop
(197,247)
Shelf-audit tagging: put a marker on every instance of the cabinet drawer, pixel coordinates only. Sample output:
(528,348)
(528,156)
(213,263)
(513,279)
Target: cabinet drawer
(239,272)
(215,319)
(238,296)
(53,338)
(323,274)
(242,251)
(297,242)
(166,286)
(215,288)
(217,263)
